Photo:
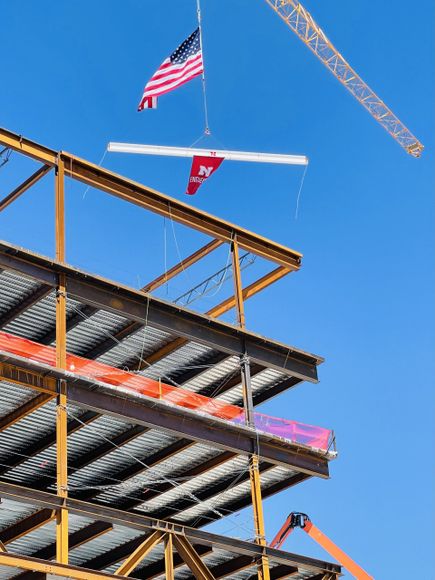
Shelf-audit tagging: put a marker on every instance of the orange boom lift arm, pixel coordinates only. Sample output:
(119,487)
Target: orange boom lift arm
(299,520)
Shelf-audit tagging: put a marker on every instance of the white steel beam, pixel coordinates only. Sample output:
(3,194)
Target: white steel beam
(278,158)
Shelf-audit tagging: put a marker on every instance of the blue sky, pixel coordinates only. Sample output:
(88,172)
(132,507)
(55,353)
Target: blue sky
(72,76)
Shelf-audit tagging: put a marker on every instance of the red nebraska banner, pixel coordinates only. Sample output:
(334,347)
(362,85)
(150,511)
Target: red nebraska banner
(202,168)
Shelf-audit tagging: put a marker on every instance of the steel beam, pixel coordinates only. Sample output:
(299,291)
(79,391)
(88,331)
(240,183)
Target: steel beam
(58,570)
(182,265)
(200,469)
(76,539)
(150,199)
(27,525)
(23,187)
(214,312)
(43,443)
(178,421)
(199,569)
(139,554)
(193,426)
(38,294)
(146,309)
(24,410)
(71,322)
(158,568)
(146,524)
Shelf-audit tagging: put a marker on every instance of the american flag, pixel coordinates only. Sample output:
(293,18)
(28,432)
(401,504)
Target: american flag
(184,64)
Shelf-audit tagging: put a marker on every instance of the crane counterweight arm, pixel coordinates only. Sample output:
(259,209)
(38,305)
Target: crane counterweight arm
(303,24)
(300,520)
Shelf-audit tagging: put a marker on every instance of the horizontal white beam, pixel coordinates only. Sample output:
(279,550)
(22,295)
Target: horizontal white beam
(190,152)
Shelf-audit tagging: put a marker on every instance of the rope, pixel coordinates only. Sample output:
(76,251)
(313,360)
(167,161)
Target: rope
(99,164)
(300,191)
(204,93)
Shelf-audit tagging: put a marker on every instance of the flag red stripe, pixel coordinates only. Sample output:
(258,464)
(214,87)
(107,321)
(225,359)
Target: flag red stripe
(173,71)
(169,85)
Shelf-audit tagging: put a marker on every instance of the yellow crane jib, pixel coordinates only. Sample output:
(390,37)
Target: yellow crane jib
(303,24)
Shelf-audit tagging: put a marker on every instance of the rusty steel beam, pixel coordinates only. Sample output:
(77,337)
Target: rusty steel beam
(27,525)
(182,423)
(38,294)
(43,443)
(182,265)
(76,539)
(222,434)
(152,200)
(146,309)
(147,524)
(23,187)
(55,570)
(214,312)
(24,410)
(192,558)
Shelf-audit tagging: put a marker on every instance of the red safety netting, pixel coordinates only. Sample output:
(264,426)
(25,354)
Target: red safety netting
(310,435)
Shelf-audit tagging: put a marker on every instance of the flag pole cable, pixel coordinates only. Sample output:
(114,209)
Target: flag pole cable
(204,94)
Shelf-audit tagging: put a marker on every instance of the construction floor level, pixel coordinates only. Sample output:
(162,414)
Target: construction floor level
(113,472)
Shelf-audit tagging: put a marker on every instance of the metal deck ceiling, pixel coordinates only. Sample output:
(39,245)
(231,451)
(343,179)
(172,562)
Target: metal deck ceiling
(114,462)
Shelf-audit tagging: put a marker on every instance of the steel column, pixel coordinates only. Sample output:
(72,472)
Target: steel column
(254,472)
(238,289)
(169,557)
(61,408)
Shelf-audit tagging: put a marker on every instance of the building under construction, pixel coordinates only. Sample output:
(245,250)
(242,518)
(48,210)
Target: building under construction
(128,423)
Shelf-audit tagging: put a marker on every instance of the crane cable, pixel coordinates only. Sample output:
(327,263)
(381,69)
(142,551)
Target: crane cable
(204,92)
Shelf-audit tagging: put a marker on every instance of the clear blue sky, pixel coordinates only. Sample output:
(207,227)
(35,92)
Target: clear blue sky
(72,75)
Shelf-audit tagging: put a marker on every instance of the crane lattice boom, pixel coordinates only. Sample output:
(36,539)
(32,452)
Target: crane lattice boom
(303,24)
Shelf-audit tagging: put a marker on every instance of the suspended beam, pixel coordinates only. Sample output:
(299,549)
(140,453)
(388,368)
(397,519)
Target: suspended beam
(34,178)
(277,158)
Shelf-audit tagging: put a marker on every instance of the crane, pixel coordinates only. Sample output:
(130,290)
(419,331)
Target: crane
(303,24)
(300,520)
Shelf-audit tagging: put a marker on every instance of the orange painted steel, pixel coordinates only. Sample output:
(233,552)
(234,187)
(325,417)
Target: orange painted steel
(299,520)
(312,436)
(332,549)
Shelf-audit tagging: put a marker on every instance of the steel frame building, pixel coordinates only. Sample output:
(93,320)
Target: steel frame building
(98,484)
